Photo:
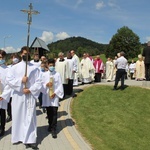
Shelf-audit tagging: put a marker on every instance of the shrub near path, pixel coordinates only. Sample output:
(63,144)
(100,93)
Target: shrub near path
(114,120)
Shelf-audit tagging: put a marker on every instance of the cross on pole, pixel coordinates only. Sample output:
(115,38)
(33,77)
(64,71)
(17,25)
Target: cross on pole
(29,21)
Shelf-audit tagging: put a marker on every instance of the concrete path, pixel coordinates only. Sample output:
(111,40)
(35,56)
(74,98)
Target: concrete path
(68,137)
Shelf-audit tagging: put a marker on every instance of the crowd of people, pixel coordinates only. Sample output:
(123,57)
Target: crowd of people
(135,70)
(49,80)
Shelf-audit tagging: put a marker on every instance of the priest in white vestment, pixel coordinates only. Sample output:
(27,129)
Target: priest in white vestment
(109,70)
(52,90)
(77,61)
(140,69)
(24,128)
(87,70)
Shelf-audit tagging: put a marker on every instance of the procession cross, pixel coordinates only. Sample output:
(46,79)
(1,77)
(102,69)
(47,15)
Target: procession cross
(29,21)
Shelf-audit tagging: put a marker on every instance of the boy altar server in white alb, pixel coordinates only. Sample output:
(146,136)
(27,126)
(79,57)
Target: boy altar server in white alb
(3,104)
(52,90)
(24,128)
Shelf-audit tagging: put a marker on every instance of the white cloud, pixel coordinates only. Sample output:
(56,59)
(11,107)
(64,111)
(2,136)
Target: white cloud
(47,36)
(79,2)
(10,49)
(62,35)
(112,3)
(147,38)
(100,5)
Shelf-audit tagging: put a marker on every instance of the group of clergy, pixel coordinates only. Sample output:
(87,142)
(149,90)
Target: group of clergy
(72,70)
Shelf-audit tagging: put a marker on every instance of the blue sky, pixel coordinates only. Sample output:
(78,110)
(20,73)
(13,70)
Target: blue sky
(96,20)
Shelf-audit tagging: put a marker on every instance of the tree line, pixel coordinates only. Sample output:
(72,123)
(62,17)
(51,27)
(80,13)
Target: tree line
(79,44)
(124,40)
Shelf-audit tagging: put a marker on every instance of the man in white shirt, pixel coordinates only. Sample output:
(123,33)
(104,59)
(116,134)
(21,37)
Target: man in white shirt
(120,63)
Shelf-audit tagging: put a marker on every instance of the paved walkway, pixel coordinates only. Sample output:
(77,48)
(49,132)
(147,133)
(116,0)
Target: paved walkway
(68,137)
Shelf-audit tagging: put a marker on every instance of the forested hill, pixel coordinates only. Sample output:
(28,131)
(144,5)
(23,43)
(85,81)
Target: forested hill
(79,44)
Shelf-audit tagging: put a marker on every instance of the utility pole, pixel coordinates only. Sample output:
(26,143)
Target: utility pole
(8,36)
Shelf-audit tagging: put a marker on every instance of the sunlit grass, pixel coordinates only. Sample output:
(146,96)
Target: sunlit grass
(114,120)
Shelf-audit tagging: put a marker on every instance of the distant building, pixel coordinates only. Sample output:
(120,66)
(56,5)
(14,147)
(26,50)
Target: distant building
(39,46)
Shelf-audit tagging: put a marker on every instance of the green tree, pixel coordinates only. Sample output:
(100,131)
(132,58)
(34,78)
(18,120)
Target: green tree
(124,40)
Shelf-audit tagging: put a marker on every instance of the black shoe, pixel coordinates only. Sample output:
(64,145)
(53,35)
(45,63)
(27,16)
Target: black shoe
(44,110)
(27,146)
(2,132)
(54,134)
(114,89)
(8,119)
(74,95)
(33,146)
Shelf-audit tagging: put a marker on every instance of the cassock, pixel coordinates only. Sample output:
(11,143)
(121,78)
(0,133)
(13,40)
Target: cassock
(57,87)
(24,105)
(99,68)
(72,69)
(62,67)
(87,70)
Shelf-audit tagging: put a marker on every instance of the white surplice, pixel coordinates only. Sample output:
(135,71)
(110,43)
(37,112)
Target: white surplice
(72,67)
(3,73)
(37,64)
(24,127)
(77,73)
(57,87)
(63,68)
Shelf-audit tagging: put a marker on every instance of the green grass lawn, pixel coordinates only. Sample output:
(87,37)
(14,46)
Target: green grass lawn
(114,120)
